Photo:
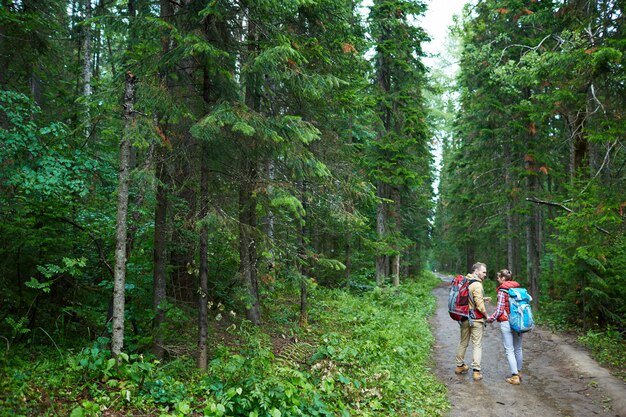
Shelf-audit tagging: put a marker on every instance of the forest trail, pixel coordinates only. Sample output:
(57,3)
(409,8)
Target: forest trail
(560,379)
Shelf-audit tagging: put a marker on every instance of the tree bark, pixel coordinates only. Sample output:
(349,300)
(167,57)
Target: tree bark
(270,218)
(395,264)
(304,272)
(203,322)
(348,253)
(247,200)
(160,216)
(381,226)
(510,223)
(160,251)
(533,238)
(247,244)
(3,61)
(87,68)
(117,342)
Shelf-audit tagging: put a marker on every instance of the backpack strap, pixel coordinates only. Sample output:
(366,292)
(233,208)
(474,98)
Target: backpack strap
(469,293)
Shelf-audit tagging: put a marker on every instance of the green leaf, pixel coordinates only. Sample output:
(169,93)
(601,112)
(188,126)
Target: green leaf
(77,412)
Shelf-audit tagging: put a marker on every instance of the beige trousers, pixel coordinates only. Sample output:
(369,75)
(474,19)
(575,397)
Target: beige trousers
(475,333)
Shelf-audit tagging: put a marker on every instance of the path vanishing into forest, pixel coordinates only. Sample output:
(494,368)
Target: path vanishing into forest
(560,379)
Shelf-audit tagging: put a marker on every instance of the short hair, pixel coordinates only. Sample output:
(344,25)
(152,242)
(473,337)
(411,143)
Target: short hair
(478,265)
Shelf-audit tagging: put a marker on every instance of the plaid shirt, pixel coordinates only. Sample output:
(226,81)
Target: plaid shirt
(500,307)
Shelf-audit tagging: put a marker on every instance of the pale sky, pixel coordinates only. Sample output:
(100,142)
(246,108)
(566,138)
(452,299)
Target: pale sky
(436,21)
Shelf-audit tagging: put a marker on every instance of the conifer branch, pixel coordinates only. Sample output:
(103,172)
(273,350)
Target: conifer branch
(561,206)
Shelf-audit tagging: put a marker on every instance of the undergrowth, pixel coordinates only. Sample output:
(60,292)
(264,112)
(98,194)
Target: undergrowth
(606,345)
(363,354)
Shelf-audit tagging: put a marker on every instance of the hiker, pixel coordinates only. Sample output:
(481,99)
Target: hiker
(511,340)
(474,327)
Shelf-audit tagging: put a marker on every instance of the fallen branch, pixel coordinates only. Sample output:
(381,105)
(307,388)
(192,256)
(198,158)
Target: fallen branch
(561,206)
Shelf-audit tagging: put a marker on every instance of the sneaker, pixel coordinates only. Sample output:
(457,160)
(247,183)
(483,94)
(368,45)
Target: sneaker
(514,380)
(461,369)
(477,375)
(519,373)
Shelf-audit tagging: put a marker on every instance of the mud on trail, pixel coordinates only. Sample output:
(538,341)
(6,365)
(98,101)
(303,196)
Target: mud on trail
(559,378)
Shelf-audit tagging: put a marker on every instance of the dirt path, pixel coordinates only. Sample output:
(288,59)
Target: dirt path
(560,380)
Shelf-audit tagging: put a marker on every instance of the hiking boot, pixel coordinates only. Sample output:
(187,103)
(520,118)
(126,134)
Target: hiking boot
(477,375)
(514,380)
(461,369)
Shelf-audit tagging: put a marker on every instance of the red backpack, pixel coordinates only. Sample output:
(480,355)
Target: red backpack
(458,300)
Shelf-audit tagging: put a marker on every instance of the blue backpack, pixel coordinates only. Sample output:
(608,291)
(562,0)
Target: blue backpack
(521,316)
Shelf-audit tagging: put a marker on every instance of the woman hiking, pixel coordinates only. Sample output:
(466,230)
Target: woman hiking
(511,340)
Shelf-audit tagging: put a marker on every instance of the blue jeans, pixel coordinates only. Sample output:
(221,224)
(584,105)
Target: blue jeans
(512,342)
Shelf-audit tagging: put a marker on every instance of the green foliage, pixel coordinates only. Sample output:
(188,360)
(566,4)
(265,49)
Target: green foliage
(52,272)
(38,159)
(591,267)
(366,356)
(526,131)
(374,360)
(607,347)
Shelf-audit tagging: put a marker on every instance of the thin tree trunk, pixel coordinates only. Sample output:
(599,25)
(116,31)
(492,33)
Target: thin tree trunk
(87,68)
(270,219)
(247,200)
(3,62)
(533,241)
(510,232)
(160,251)
(203,322)
(247,244)
(117,342)
(304,271)
(381,222)
(395,263)
(159,294)
(348,261)
(203,319)
(383,80)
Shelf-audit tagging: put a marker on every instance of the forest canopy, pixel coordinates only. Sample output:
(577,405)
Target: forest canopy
(164,163)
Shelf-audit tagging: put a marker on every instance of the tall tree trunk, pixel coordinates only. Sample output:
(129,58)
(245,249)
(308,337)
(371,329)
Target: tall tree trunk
(533,237)
(579,146)
(470,255)
(270,214)
(3,61)
(247,188)
(304,270)
(247,244)
(87,68)
(510,232)
(203,319)
(395,263)
(348,253)
(381,225)
(117,342)
(383,79)
(203,323)
(36,90)
(160,251)
(160,215)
